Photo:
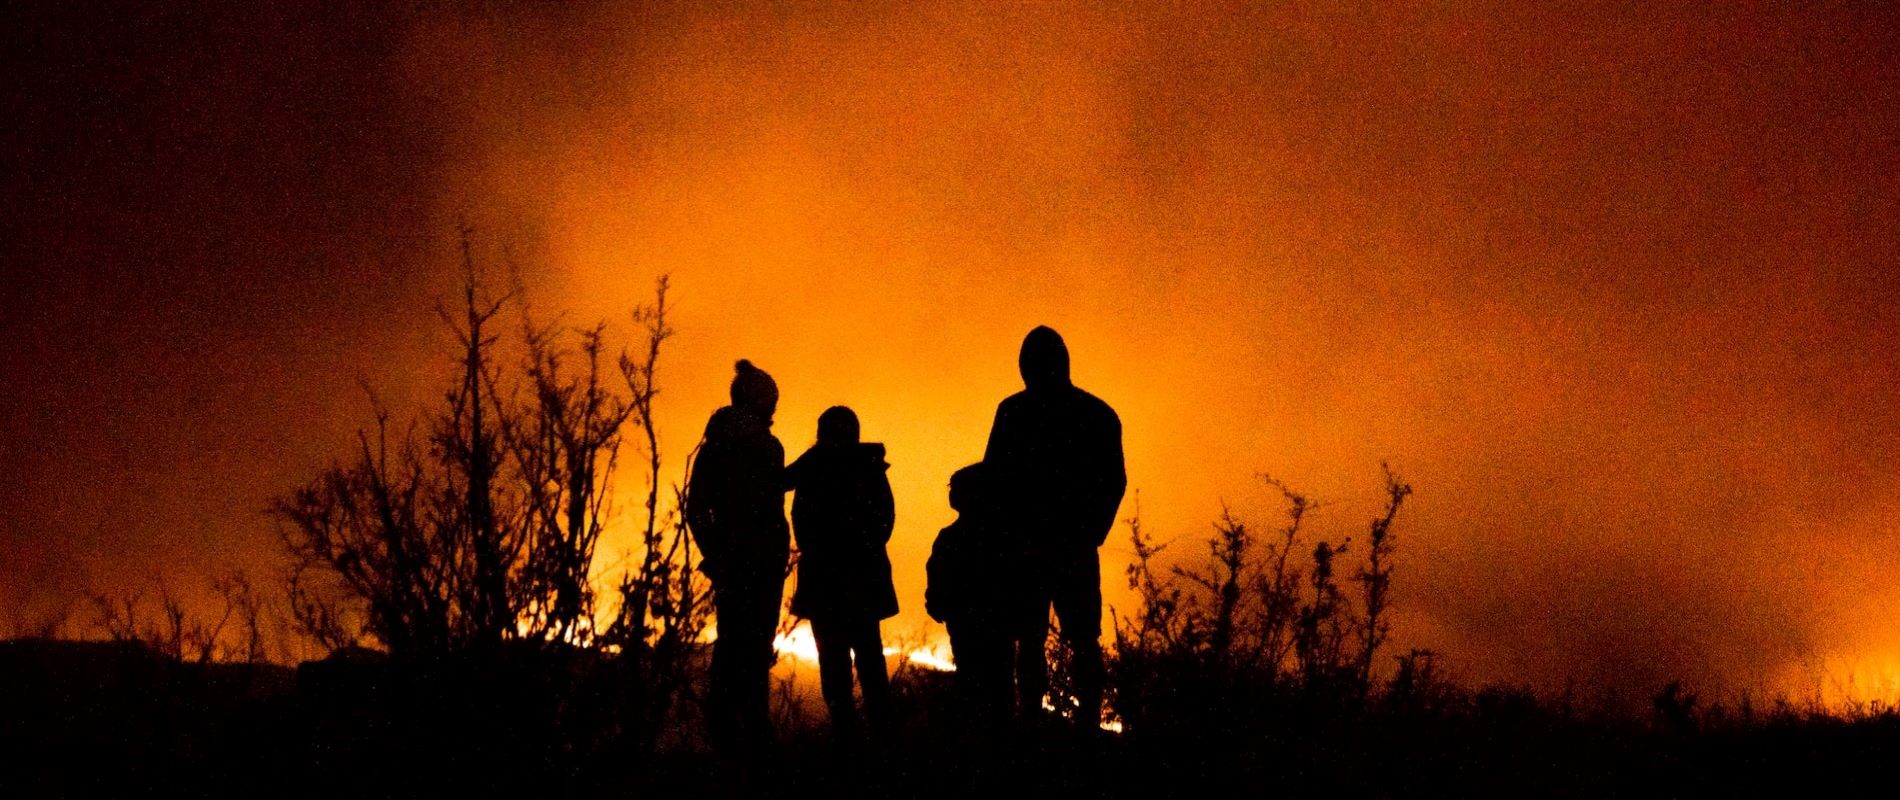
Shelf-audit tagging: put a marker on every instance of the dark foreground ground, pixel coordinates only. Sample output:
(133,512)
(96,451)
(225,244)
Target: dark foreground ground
(96,719)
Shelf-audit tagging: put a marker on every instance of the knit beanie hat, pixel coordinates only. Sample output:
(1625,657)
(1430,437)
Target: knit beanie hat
(752,388)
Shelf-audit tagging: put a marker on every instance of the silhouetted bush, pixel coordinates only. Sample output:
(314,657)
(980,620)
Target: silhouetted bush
(468,552)
(1251,634)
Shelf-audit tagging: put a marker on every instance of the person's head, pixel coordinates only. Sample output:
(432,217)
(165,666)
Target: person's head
(838,425)
(970,488)
(1044,360)
(753,390)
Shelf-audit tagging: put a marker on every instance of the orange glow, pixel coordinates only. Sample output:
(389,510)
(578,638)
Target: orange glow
(799,644)
(1613,290)
(1594,450)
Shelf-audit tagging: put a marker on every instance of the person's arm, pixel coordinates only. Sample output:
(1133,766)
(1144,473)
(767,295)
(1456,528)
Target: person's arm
(774,498)
(704,497)
(1002,459)
(883,506)
(764,475)
(790,476)
(1113,479)
(936,594)
(1002,436)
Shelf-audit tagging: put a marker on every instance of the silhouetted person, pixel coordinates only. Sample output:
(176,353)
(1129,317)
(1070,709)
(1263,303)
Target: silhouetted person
(735,504)
(977,589)
(1057,455)
(842,516)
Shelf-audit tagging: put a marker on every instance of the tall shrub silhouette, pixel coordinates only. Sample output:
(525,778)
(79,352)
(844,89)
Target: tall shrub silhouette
(1253,623)
(426,538)
(1375,577)
(565,449)
(664,603)
(484,529)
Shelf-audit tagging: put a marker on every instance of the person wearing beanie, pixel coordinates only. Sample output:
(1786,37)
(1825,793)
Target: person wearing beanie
(1055,452)
(754,391)
(735,507)
(842,515)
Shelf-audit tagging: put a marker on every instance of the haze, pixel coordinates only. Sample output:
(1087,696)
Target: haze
(1614,289)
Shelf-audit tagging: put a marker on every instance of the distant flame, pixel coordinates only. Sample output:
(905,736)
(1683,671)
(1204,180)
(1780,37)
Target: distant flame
(799,644)
(1843,683)
(1110,725)
(926,658)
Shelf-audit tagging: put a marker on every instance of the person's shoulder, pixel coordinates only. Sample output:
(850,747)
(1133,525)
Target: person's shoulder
(745,427)
(720,424)
(945,547)
(1095,404)
(955,531)
(870,458)
(1013,401)
(804,464)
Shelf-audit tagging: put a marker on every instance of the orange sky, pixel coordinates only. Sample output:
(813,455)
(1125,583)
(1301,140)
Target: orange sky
(1613,290)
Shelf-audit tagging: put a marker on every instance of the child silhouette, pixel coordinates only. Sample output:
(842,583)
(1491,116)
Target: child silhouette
(841,518)
(977,589)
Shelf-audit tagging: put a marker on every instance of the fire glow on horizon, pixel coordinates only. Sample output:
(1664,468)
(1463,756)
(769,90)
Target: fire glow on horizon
(1610,286)
(798,643)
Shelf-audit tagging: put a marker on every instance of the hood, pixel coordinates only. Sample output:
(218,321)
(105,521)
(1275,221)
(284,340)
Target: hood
(830,456)
(838,425)
(1044,360)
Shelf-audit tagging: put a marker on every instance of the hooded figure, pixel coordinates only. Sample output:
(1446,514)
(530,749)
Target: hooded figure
(1056,456)
(842,514)
(735,507)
